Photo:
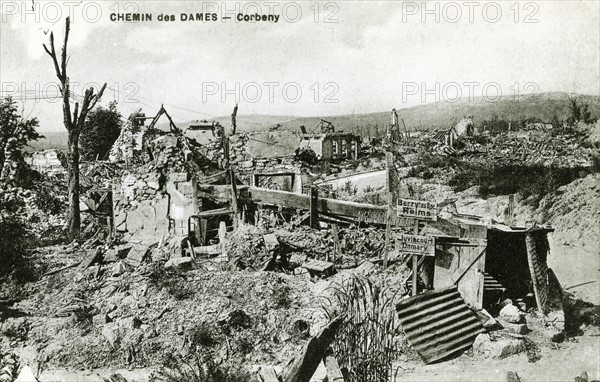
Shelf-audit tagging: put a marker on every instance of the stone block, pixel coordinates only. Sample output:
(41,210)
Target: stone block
(179,262)
(511,313)
(514,328)
(498,348)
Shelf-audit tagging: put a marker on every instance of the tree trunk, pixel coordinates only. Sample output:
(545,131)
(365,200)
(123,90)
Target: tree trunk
(74,218)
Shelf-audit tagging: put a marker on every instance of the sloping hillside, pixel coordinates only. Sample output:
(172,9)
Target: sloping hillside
(444,114)
(423,117)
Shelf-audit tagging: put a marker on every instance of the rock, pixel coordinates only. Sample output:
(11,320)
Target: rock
(112,333)
(100,319)
(179,262)
(118,269)
(137,255)
(512,376)
(499,348)
(117,253)
(26,375)
(505,302)
(488,321)
(514,328)
(511,313)
(133,337)
(297,259)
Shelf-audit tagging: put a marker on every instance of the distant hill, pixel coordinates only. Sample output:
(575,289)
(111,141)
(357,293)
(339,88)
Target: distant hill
(52,140)
(445,114)
(423,117)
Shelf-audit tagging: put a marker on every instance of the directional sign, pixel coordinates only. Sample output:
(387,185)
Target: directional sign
(417,209)
(415,244)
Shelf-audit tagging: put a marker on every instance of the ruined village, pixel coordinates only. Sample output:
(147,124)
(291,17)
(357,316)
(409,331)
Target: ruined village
(340,250)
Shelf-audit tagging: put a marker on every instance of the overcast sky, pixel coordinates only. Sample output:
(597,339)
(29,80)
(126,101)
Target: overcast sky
(351,57)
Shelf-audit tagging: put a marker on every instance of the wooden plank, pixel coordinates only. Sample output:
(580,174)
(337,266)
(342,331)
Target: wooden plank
(334,373)
(302,368)
(460,272)
(386,248)
(314,207)
(215,212)
(318,266)
(331,206)
(337,248)
(223,241)
(218,192)
(234,205)
(267,374)
(415,264)
(219,177)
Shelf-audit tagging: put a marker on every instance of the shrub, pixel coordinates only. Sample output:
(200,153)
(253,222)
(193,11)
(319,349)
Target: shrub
(199,369)
(526,179)
(15,242)
(48,203)
(281,297)
(202,335)
(365,344)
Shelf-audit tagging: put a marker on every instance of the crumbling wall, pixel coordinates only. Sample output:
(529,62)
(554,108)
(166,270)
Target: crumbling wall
(246,166)
(149,207)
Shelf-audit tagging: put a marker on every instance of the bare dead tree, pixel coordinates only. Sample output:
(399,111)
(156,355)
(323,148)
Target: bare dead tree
(74,123)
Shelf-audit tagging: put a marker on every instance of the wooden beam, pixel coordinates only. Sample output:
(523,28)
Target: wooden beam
(337,248)
(314,207)
(286,199)
(415,264)
(302,368)
(234,204)
(334,373)
(267,374)
(386,248)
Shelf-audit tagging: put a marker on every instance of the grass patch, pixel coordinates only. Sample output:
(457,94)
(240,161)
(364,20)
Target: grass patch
(199,369)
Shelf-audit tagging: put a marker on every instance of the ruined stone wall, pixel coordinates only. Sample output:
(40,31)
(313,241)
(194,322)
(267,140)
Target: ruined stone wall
(149,207)
(246,166)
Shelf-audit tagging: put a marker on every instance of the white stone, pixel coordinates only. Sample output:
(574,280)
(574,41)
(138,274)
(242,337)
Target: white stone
(511,313)
(26,375)
(178,262)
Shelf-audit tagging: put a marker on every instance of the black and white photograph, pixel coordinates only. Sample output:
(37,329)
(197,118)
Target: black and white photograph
(299,191)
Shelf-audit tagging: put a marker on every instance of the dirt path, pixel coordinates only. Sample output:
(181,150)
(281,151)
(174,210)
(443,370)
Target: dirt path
(562,364)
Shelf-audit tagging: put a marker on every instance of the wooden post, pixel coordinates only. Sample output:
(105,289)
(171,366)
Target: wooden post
(415,263)
(314,207)
(511,208)
(222,240)
(388,214)
(334,374)
(336,243)
(234,205)
(303,366)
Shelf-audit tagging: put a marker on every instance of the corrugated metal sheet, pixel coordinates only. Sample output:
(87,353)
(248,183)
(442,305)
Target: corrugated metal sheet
(491,284)
(438,323)
(537,249)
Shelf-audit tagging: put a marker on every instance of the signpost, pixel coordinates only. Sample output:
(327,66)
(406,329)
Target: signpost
(417,209)
(415,244)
